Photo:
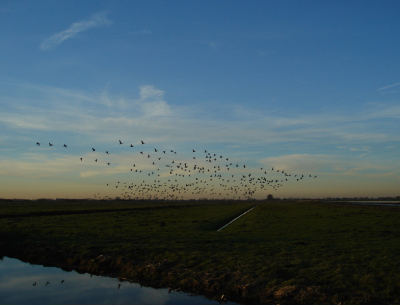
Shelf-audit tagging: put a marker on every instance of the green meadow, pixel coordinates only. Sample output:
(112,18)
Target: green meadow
(281,250)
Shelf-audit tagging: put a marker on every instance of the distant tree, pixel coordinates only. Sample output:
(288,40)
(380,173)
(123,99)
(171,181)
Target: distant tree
(270,197)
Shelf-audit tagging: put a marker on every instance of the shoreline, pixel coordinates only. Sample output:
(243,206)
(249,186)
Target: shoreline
(220,285)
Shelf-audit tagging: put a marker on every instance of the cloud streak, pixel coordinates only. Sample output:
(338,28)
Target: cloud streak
(101,116)
(97,20)
(387,87)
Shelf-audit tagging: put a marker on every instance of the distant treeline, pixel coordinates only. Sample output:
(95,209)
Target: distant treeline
(206,199)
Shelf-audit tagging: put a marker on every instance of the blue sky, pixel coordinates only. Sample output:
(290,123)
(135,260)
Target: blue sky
(307,87)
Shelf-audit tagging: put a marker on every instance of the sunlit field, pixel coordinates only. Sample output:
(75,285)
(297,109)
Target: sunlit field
(340,253)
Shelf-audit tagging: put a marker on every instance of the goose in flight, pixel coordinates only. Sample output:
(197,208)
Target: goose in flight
(65,145)
(37,143)
(107,152)
(50,144)
(120,142)
(131,145)
(142,142)
(93,149)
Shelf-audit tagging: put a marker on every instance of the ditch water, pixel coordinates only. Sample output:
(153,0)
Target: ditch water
(376,203)
(56,286)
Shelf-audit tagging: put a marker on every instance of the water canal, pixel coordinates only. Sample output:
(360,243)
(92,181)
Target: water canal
(22,284)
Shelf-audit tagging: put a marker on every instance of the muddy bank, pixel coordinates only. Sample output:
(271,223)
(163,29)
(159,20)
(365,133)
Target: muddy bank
(221,285)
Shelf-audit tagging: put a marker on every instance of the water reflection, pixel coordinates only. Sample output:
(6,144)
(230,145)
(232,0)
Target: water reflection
(22,283)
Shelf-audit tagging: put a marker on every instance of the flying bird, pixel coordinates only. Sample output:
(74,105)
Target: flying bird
(120,142)
(65,145)
(37,143)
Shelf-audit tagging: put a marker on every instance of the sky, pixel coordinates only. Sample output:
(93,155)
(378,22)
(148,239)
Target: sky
(310,88)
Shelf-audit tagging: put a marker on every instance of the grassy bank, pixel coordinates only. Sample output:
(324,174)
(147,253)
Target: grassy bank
(280,252)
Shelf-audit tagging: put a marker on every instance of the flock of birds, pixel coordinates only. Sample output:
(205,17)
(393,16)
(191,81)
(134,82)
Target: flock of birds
(158,174)
(47,283)
(62,282)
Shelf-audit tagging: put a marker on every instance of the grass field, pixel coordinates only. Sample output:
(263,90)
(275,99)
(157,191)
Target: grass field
(348,254)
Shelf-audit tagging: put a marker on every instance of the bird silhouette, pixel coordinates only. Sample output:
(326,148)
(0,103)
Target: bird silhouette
(37,143)
(65,145)
(120,142)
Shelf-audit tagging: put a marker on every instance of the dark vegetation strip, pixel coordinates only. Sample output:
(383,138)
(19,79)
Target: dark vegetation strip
(286,253)
(87,211)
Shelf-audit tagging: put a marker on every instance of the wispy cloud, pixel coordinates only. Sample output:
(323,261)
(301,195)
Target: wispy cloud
(97,20)
(152,101)
(104,117)
(387,87)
